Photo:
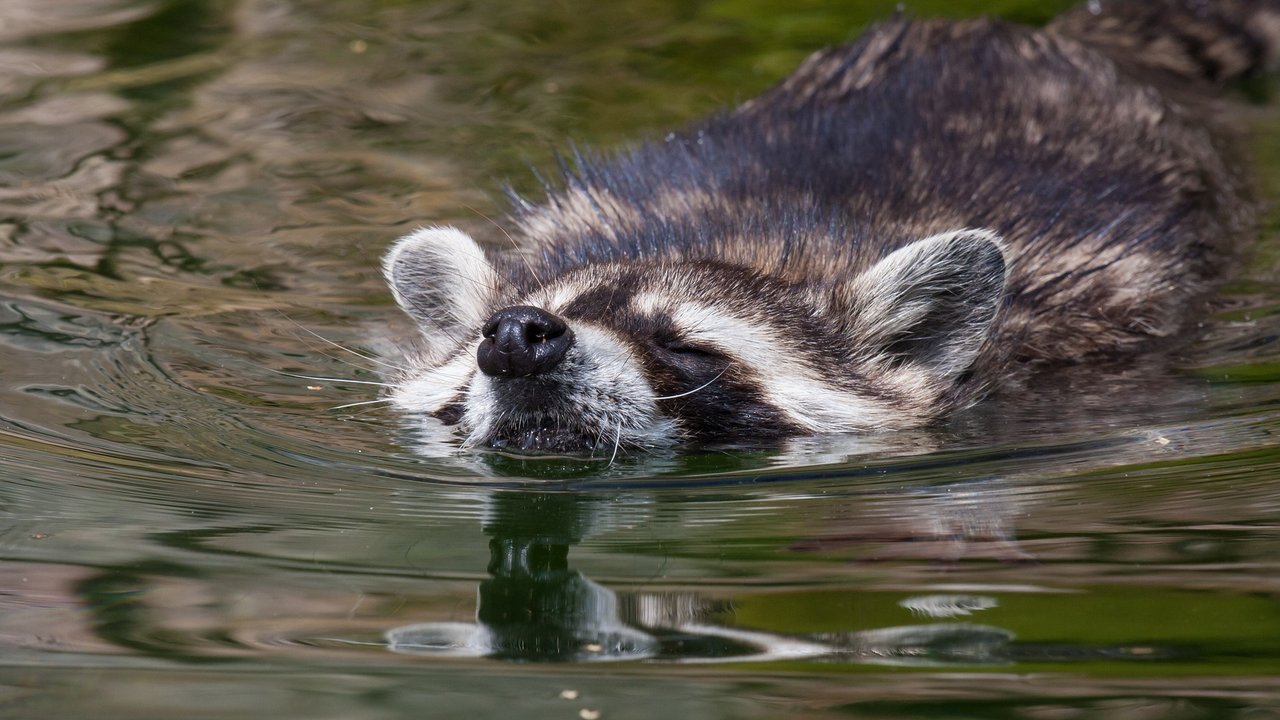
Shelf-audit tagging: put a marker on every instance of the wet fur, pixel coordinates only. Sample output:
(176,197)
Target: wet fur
(1075,192)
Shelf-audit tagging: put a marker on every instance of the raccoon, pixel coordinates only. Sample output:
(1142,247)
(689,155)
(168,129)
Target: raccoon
(899,227)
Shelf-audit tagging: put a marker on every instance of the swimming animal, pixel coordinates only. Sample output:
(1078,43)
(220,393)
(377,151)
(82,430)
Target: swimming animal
(899,227)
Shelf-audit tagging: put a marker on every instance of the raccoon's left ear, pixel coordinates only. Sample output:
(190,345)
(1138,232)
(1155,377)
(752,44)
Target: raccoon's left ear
(443,280)
(931,303)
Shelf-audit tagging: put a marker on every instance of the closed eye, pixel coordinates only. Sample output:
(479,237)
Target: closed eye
(680,346)
(693,350)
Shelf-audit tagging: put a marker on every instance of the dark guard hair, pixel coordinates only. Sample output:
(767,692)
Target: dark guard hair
(812,261)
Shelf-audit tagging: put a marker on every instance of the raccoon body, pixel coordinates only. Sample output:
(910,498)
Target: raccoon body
(898,227)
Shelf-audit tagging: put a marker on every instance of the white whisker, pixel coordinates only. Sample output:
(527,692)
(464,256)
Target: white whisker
(334,380)
(703,385)
(362,402)
(340,346)
(617,443)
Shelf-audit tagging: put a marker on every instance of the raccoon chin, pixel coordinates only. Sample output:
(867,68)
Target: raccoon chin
(544,440)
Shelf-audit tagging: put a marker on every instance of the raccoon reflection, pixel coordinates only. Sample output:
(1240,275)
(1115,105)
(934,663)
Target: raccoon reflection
(900,226)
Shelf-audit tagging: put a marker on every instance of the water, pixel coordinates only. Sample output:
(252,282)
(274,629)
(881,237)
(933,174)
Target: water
(193,194)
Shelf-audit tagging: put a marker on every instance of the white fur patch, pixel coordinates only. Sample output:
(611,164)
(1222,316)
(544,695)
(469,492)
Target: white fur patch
(433,389)
(555,298)
(651,303)
(796,389)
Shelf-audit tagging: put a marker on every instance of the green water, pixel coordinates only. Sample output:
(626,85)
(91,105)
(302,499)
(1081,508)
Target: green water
(193,194)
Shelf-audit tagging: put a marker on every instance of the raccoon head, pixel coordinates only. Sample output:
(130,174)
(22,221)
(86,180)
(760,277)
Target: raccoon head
(648,353)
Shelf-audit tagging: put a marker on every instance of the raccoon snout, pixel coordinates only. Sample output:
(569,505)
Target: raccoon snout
(521,340)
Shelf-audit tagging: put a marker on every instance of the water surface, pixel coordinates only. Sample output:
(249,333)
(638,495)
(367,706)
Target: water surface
(194,198)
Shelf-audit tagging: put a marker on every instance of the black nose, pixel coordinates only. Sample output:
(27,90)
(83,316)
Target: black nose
(521,341)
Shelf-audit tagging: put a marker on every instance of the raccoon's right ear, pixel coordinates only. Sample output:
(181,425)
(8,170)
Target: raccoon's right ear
(441,278)
(930,304)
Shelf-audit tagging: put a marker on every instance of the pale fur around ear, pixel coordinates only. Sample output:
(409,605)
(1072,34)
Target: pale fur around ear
(931,303)
(441,278)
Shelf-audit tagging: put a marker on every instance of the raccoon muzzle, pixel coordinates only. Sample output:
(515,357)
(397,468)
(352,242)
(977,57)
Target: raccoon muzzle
(521,340)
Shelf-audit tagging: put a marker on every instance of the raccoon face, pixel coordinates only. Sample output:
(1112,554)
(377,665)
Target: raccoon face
(648,353)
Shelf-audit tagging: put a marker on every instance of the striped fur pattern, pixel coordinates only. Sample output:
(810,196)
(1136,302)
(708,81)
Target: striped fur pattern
(898,227)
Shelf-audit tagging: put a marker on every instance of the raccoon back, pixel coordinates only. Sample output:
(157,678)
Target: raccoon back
(1115,201)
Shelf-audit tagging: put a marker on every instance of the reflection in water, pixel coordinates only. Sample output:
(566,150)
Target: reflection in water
(947,605)
(279,588)
(534,607)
